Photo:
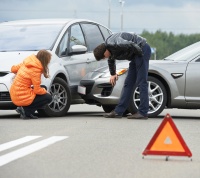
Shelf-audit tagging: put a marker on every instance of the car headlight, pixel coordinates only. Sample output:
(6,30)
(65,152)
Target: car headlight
(118,72)
(121,71)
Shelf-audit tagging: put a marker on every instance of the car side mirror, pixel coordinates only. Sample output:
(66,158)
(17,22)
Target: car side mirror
(78,49)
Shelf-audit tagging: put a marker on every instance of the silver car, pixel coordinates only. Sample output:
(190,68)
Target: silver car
(173,83)
(70,41)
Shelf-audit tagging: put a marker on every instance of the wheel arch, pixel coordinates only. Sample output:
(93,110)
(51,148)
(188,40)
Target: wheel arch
(61,101)
(62,76)
(165,85)
(56,70)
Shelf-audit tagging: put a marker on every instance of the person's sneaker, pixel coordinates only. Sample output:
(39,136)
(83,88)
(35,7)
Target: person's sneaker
(30,117)
(137,116)
(33,117)
(112,114)
(20,110)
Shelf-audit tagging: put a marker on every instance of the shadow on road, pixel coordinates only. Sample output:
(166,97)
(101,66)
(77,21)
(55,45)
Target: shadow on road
(93,114)
(70,114)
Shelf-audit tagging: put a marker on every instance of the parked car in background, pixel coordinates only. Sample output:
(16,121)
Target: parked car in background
(173,83)
(70,41)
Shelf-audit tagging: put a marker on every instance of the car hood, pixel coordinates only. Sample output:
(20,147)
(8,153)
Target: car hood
(158,62)
(119,65)
(8,59)
(167,65)
(105,70)
(154,66)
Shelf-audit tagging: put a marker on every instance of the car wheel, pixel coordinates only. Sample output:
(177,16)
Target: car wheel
(157,98)
(61,101)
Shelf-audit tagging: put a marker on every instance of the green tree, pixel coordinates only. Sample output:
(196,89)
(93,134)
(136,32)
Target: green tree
(168,43)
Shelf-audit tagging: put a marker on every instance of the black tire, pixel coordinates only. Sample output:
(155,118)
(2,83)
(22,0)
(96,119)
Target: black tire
(157,98)
(61,99)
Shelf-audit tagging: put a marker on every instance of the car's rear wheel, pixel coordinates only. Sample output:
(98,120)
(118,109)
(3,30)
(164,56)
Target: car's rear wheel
(157,98)
(61,99)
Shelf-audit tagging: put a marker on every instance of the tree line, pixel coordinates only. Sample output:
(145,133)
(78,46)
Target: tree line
(168,43)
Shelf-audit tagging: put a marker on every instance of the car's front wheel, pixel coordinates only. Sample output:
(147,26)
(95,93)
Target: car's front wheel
(61,101)
(157,98)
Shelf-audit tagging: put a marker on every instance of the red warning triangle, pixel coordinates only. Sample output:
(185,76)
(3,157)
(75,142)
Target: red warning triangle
(167,140)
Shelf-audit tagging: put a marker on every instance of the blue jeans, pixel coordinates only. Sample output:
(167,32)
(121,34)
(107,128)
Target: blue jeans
(137,75)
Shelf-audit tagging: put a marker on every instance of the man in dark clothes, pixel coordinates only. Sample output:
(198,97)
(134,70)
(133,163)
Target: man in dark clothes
(132,47)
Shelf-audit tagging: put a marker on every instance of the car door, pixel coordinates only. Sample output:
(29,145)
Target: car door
(74,64)
(192,89)
(94,35)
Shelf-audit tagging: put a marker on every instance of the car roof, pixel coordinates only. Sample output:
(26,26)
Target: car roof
(45,21)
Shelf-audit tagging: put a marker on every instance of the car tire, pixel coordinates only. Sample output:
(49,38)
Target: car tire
(61,101)
(157,98)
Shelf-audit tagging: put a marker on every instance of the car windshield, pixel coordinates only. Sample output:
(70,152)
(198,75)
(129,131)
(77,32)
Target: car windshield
(185,54)
(28,37)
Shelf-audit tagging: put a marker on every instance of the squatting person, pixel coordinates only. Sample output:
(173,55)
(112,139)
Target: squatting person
(26,90)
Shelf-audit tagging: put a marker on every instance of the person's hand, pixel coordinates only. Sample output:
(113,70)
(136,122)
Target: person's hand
(113,79)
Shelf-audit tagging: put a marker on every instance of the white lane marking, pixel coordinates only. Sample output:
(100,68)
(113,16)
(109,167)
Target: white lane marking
(29,149)
(17,142)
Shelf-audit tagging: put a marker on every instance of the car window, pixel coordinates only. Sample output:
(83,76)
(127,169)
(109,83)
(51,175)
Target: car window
(28,37)
(76,36)
(105,31)
(186,53)
(93,35)
(62,49)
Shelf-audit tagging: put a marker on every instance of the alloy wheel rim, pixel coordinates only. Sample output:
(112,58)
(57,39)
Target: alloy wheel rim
(156,97)
(59,97)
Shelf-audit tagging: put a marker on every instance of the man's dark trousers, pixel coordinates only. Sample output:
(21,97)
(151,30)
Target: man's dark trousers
(137,75)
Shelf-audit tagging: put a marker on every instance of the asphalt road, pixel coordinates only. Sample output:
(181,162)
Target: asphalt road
(86,145)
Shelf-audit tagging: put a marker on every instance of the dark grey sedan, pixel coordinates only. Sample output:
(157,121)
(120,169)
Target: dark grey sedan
(173,83)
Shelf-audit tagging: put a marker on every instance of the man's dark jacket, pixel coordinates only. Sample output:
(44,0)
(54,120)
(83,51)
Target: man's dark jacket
(123,46)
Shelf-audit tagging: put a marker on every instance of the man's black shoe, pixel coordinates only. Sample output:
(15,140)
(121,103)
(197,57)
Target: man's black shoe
(137,116)
(112,114)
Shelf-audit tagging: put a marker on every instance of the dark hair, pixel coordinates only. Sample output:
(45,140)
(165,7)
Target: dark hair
(44,57)
(99,51)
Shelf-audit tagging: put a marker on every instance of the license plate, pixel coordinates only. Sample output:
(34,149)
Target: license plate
(82,90)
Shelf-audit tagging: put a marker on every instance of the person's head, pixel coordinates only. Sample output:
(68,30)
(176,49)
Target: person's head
(100,52)
(44,57)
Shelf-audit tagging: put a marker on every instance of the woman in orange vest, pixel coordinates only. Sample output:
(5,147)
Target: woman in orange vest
(26,90)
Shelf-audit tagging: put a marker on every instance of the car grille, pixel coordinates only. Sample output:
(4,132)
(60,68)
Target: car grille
(88,84)
(5,96)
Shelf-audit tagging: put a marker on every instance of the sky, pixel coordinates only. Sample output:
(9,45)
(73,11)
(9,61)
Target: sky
(176,16)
